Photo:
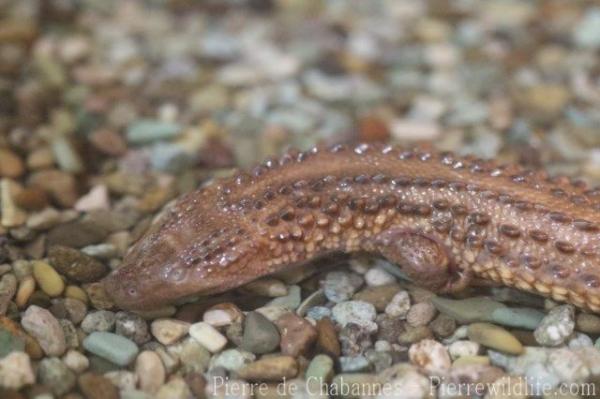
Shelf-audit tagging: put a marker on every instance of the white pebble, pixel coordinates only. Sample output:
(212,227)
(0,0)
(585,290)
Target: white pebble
(76,361)
(208,336)
(463,348)
(399,305)
(377,276)
(16,371)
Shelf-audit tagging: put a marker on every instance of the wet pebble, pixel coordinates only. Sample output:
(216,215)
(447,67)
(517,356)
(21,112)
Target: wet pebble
(132,326)
(377,276)
(232,359)
(340,286)
(48,279)
(357,312)
(399,305)
(291,301)
(95,386)
(16,371)
(56,375)
(588,323)
(297,334)
(75,264)
(494,337)
(112,347)
(76,310)
(327,339)
(208,336)
(260,334)
(44,327)
(76,361)
(272,368)
(431,356)
(420,314)
(169,331)
(100,320)
(150,371)
(556,326)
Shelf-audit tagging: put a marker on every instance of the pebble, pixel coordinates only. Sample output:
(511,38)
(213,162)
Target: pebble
(291,301)
(269,287)
(443,326)
(169,331)
(8,289)
(123,380)
(132,326)
(579,340)
(316,313)
(495,337)
(273,368)
(556,326)
(232,359)
(76,361)
(327,339)
(297,334)
(526,318)
(313,300)
(378,276)
(77,234)
(75,292)
(95,386)
(96,199)
(399,305)
(223,315)
(70,332)
(354,339)
(10,343)
(11,165)
(462,348)
(413,334)
(16,371)
(112,347)
(193,356)
(260,335)
(340,286)
(420,314)
(44,327)
(588,323)
(431,356)
(43,220)
(48,279)
(100,320)
(10,214)
(357,312)
(208,336)
(76,310)
(320,369)
(146,131)
(379,296)
(26,289)
(75,264)
(176,388)
(467,310)
(150,371)
(567,366)
(56,375)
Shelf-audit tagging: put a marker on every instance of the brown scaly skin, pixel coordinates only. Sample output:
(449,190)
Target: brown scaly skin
(444,219)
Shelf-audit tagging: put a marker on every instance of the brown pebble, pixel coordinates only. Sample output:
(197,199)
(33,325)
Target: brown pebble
(11,166)
(108,142)
(414,334)
(297,334)
(60,185)
(372,128)
(197,384)
(379,296)
(588,323)
(272,368)
(420,314)
(75,264)
(97,296)
(95,386)
(31,198)
(327,340)
(443,325)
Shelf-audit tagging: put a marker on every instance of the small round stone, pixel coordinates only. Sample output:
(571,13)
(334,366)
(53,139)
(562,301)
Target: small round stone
(399,305)
(75,264)
(48,279)
(46,329)
(100,320)
(377,276)
(463,348)
(150,371)
(260,334)
(169,331)
(556,326)
(16,371)
(431,356)
(76,361)
(56,375)
(357,312)
(208,336)
(297,334)
(132,326)
(420,314)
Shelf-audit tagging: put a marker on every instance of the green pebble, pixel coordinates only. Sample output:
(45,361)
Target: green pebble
(467,310)
(112,347)
(494,337)
(291,301)
(147,130)
(320,369)
(9,343)
(526,318)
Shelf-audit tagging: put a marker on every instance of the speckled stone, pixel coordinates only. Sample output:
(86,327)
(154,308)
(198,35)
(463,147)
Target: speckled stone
(340,286)
(431,356)
(556,326)
(132,326)
(297,334)
(55,374)
(100,320)
(16,371)
(44,327)
(358,312)
(75,264)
